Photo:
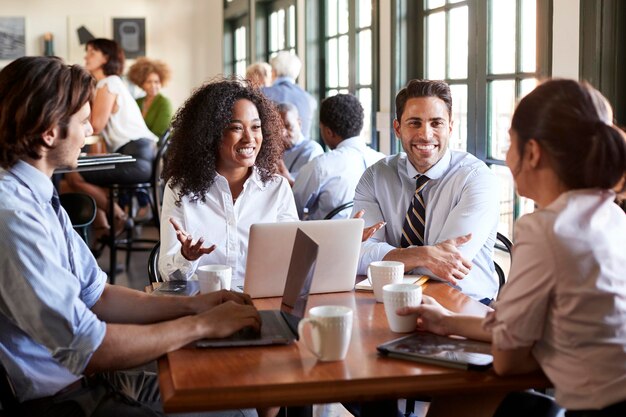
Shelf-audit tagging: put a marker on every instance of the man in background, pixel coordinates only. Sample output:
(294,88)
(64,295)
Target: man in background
(329,180)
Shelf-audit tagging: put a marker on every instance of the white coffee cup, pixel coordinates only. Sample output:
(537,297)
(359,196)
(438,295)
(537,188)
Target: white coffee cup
(401,295)
(214,277)
(381,273)
(330,331)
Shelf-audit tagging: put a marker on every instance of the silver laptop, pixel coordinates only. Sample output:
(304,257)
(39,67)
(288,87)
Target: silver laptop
(269,252)
(280,327)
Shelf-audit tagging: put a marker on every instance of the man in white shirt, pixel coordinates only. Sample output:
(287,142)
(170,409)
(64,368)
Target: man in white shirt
(329,180)
(298,149)
(458,197)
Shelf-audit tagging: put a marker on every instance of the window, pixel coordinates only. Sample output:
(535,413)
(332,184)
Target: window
(282,29)
(491,53)
(350,55)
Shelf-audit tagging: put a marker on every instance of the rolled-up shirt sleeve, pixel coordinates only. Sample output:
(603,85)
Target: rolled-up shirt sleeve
(519,316)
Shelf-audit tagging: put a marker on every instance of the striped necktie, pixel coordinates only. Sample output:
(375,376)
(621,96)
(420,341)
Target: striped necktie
(415,219)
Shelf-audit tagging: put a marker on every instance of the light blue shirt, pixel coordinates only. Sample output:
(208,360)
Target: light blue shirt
(461,197)
(49,280)
(329,180)
(300,154)
(285,90)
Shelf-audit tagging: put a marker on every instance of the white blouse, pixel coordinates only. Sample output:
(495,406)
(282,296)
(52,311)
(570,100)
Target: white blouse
(223,223)
(126,123)
(566,296)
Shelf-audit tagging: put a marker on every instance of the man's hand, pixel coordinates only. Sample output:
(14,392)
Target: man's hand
(189,249)
(445,260)
(204,302)
(431,316)
(368,231)
(229,317)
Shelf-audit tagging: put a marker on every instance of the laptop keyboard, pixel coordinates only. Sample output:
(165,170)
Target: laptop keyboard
(271,325)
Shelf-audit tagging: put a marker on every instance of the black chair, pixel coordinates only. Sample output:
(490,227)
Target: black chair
(505,245)
(82,211)
(527,403)
(153,264)
(338,210)
(154,191)
(8,399)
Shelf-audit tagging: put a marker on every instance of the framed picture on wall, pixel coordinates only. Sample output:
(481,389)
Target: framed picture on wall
(12,37)
(130,34)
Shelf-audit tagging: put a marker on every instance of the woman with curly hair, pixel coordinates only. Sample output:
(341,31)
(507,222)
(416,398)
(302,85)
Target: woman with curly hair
(221,178)
(156,109)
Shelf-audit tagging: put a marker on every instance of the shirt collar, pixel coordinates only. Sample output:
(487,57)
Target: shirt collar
(353,142)
(254,178)
(38,182)
(436,171)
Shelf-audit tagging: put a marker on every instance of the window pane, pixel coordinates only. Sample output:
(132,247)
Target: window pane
(274,31)
(365,97)
(527,85)
(529,35)
(292,26)
(455,1)
(501,105)
(365,57)
(436,46)
(240,43)
(459,117)
(431,4)
(365,13)
(343,91)
(344,61)
(458,35)
(507,199)
(333,76)
(281,29)
(240,68)
(331,17)
(331,93)
(525,206)
(343,17)
(502,37)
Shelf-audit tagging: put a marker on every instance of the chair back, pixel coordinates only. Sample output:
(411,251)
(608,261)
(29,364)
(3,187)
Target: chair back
(8,399)
(81,208)
(158,183)
(153,264)
(338,210)
(505,245)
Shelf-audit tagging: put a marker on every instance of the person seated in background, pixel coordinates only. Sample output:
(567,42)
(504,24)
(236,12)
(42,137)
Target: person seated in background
(259,74)
(298,149)
(285,70)
(156,109)
(329,180)
(562,309)
(65,334)
(221,175)
(439,205)
(117,117)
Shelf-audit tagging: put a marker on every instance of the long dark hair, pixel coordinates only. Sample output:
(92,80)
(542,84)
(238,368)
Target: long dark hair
(113,52)
(572,122)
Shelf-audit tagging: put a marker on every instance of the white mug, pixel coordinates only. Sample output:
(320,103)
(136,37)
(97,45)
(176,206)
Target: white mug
(381,273)
(401,295)
(214,277)
(331,329)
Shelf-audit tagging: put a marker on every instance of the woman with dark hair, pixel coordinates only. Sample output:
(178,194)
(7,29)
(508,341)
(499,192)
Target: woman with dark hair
(221,173)
(563,306)
(117,117)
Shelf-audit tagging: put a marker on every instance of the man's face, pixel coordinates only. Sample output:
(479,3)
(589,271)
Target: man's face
(292,129)
(66,150)
(424,129)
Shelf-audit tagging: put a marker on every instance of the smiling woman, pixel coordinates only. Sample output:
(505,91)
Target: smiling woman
(221,178)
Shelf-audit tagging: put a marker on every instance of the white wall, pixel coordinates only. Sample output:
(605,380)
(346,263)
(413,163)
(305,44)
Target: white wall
(187,34)
(565,38)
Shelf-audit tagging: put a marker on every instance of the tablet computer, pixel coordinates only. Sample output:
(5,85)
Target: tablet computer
(452,352)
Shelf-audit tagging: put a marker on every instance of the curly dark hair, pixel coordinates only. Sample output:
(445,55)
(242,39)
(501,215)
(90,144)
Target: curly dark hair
(143,67)
(343,114)
(197,135)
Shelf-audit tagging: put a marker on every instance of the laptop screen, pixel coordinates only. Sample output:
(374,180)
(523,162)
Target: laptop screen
(299,278)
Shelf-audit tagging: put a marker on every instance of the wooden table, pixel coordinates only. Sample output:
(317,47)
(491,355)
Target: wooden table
(227,378)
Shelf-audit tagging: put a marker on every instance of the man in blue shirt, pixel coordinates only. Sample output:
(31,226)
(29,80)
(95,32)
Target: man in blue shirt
(61,324)
(458,196)
(285,70)
(329,180)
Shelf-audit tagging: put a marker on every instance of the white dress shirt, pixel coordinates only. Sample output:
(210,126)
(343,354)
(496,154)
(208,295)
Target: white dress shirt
(329,180)
(223,223)
(461,197)
(566,295)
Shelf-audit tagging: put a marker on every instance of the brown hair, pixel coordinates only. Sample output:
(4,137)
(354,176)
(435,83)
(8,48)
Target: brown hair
(423,88)
(37,94)
(139,71)
(113,52)
(572,122)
